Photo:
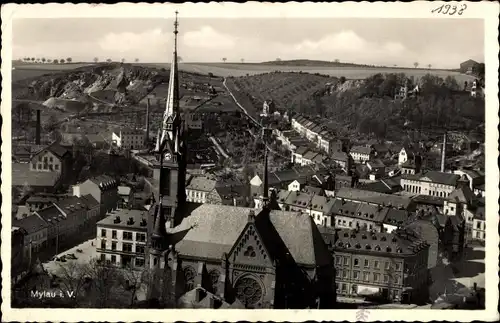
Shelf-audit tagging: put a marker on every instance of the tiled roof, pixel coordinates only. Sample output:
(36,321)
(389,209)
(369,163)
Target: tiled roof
(435,177)
(31,224)
(218,227)
(479,213)
(373,197)
(403,242)
(428,232)
(124,215)
(361,150)
(376,163)
(462,195)
(310,155)
(201,183)
(360,210)
(52,215)
(313,190)
(301,150)
(299,199)
(89,200)
(322,204)
(282,196)
(22,175)
(104,180)
(396,217)
(58,150)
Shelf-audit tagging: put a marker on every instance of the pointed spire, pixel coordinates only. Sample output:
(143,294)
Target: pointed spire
(159,229)
(172,104)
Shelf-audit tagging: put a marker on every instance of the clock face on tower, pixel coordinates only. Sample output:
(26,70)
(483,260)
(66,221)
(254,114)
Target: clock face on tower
(167,156)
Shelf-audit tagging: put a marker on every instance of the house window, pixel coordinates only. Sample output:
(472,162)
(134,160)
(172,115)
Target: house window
(338,273)
(355,274)
(397,278)
(103,244)
(51,159)
(168,211)
(346,261)
(139,262)
(113,234)
(344,288)
(127,247)
(140,237)
(33,165)
(139,249)
(366,276)
(387,265)
(345,274)
(103,232)
(103,257)
(45,160)
(398,266)
(376,277)
(113,245)
(127,235)
(339,260)
(478,225)
(367,263)
(375,264)
(56,167)
(113,259)
(478,236)
(356,262)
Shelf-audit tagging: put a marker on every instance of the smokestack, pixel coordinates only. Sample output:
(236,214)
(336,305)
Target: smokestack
(147,121)
(443,153)
(38,127)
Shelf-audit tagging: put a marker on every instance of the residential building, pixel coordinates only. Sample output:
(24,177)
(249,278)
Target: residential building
(411,167)
(36,233)
(298,155)
(376,167)
(125,195)
(479,226)
(201,189)
(56,223)
(38,202)
(103,188)
(468,66)
(18,263)
(128,138)
(122,238)
(53,158)
(342,159)
(320,210)
(431,183)
(375,198)
(268,108)
(348,214)
(361,154)
(389,265)
(475,178)
(408,153)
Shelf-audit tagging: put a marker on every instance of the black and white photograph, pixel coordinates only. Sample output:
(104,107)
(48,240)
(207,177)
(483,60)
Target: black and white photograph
(256,156)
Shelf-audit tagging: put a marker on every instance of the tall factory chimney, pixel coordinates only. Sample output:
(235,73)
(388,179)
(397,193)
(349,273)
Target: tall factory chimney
(443,154)
(38,128)
(147,122)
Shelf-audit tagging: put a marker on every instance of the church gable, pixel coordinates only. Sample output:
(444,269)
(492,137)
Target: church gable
(249,248)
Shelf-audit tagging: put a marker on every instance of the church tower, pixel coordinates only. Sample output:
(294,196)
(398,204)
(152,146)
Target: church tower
(171,149)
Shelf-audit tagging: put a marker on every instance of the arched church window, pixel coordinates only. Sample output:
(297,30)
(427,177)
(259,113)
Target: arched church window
(214,278)
(249,252)
(189,274)
(248,291)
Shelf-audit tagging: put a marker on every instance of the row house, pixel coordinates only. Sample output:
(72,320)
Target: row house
(201,189)
(129,138)
(361,154)
(319,135)
(291,139)
(342,160)
(376,198)
(391,266)
(122,238)
(304,156)
(479,225)
(433,183)
(103,188)
(376,167)
(347,214)
(462,202)
(36,232)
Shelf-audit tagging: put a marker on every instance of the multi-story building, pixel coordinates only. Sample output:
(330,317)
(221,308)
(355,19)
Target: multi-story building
(18,260)
(342,159)
(408,153)
(361,154)
(348,214)
(474,177)
(103,188)
(376,198)
(390,265)
(36,233)
(129,138)
(202,189)
(431,183)
(122,238)
(53,158)
(479,225)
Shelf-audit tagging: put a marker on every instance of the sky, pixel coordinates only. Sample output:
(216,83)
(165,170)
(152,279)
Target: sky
(443,43)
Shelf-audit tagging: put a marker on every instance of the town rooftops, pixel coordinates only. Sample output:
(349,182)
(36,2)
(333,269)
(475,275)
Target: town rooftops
(322,204)
(31,224)
(361,150)
(22,175)
(58,150)
(404,242)
(126,219)
(124,190)
(201,183)
(210,230)
(396,217)
(462,195)
(341,156)
(52,215)
(374,197)
(479,213)
(360,211)
(301,150)
(375,163)
(104,181)
(313,190)
(89,200)
(434,177)
(131,132)
(299,199)
(71,204)
(310,155)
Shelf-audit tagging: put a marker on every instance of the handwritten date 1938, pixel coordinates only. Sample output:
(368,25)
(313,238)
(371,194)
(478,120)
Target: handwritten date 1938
(450,9)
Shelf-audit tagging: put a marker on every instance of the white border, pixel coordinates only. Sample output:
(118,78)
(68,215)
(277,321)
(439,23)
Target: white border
(420,9)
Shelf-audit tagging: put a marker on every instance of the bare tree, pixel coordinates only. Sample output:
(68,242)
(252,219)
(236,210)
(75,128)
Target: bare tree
(242,60)
(337,61)
(224,59)
(136,60)
(278,59)
(96,59)
(123,60)
(430,65)
(415,64)
(49,60)
(32,59)
(109,60)
(74,281)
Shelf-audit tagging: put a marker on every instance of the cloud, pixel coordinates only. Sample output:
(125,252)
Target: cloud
(208,38)
(150,43)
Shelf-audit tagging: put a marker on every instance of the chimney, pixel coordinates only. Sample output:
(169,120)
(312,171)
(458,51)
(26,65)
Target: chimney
(147,121)
(38,127)
(443,153)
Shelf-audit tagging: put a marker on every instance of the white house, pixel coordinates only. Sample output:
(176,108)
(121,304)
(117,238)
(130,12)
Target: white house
(361,154)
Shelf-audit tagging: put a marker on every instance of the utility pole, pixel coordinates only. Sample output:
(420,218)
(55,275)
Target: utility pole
(443,154)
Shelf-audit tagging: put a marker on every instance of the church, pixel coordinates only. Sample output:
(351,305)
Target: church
(261,258)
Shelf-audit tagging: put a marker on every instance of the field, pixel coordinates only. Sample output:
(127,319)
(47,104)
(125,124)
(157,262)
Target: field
(21,70)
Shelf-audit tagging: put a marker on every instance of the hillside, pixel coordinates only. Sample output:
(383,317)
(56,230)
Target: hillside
(366,106)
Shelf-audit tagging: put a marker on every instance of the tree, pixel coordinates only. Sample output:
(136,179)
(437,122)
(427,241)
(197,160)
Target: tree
(32,59)
(278,59)
(96,59)
(62,61)
(43,59)
(69,59)
(55,61)
(224,59)
(242,60)
(136,60)
(415,64)
(337,61)
(123,60)
(179,59)
(430,65)
(49,60)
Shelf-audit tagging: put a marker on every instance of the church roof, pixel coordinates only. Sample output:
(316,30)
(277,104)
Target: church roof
(210,230)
